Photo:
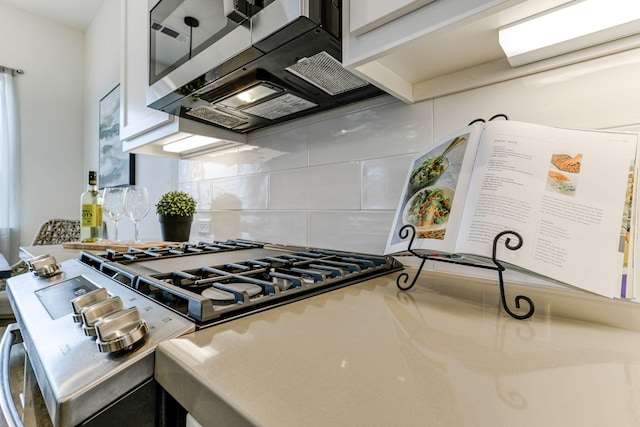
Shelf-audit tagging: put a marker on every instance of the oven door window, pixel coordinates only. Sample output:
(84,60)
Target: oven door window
(180,29)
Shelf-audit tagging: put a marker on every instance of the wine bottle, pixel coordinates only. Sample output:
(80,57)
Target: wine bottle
(91,201)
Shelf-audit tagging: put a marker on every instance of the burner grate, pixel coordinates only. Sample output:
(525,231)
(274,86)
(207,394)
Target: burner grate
(288,275)
(217,281)
(174,250)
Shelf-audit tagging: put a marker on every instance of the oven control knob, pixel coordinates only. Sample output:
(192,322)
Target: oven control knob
(83,301)
(43,265)
(95,312)
(120,330)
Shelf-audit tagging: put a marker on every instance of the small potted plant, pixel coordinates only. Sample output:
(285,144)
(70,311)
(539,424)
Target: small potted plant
(175,211)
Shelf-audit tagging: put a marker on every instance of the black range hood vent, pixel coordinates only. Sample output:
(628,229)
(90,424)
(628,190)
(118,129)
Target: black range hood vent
(289,74)
(325,72)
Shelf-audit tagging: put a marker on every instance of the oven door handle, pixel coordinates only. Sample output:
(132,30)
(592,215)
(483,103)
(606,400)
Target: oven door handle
(11,337)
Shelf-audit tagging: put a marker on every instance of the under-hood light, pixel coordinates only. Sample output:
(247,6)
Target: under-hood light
(576,25)
(249,96)
(192,143)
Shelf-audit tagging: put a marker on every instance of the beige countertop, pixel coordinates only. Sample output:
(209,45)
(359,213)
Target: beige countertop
(442,354)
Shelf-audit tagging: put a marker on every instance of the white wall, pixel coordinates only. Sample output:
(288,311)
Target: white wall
(67,72)
(102,64)
(51,109)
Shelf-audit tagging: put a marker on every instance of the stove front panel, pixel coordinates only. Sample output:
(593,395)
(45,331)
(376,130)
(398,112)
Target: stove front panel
(75,378)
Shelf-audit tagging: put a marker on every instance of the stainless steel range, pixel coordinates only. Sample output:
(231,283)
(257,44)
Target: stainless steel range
(90,325)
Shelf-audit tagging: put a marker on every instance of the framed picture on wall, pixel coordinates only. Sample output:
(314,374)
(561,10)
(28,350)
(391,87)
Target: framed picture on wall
(116,168)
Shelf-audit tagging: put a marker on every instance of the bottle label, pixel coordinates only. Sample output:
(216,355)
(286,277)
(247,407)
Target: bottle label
(91,215)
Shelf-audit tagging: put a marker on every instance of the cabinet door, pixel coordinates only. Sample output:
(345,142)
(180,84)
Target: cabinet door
(365,15)
(407,54)
(135,117)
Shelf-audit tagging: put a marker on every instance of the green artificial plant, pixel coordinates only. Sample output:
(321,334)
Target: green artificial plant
(176,203)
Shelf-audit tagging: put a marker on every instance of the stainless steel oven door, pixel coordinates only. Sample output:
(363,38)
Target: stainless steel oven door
(20,397)
(77,378)
(22,404)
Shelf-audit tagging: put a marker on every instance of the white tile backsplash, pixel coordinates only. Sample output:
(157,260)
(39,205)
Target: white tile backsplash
(382,182)
(277,151)
(284,227)
(223,225)
(334,186)
(359,231)
(274,226)
(334,179)
(381,131)
(218,164)
(241,192)
(204,195)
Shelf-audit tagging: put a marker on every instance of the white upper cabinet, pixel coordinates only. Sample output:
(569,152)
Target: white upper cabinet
(135,117)
(419,50)
(144,130)
(369,14)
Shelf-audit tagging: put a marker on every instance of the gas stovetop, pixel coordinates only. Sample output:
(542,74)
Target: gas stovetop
(209,282)
(91,325)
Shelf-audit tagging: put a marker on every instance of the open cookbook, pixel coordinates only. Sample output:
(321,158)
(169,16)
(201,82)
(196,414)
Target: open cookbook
(567,192)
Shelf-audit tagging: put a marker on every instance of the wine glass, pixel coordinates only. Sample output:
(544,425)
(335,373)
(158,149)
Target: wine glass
(136,206)
(113,205)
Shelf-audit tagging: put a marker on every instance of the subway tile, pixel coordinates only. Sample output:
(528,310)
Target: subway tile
(382,182)
(326,115)
(209,166)
(358,231)
(276,151)
(187,171)
(264,226)
(224,224)
(385,130)
(274,227)
(204,195)
(325,187)
(242,192)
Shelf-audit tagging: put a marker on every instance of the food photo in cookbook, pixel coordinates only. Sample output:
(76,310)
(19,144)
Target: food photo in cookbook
(563,174)
(430,188)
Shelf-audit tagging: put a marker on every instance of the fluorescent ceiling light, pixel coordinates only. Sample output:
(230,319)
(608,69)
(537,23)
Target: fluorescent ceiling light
(574,26)
(191,143)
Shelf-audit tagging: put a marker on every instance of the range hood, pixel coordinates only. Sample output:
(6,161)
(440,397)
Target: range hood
(249,64)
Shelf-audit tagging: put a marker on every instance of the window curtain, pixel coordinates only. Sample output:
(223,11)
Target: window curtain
(10,166)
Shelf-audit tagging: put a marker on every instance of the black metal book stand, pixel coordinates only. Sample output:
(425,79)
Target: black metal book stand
(403,278)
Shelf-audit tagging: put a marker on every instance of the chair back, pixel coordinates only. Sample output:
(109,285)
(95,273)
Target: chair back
(57,231)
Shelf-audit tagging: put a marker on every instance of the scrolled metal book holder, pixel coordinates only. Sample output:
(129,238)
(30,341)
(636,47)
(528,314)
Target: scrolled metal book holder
(403,278)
